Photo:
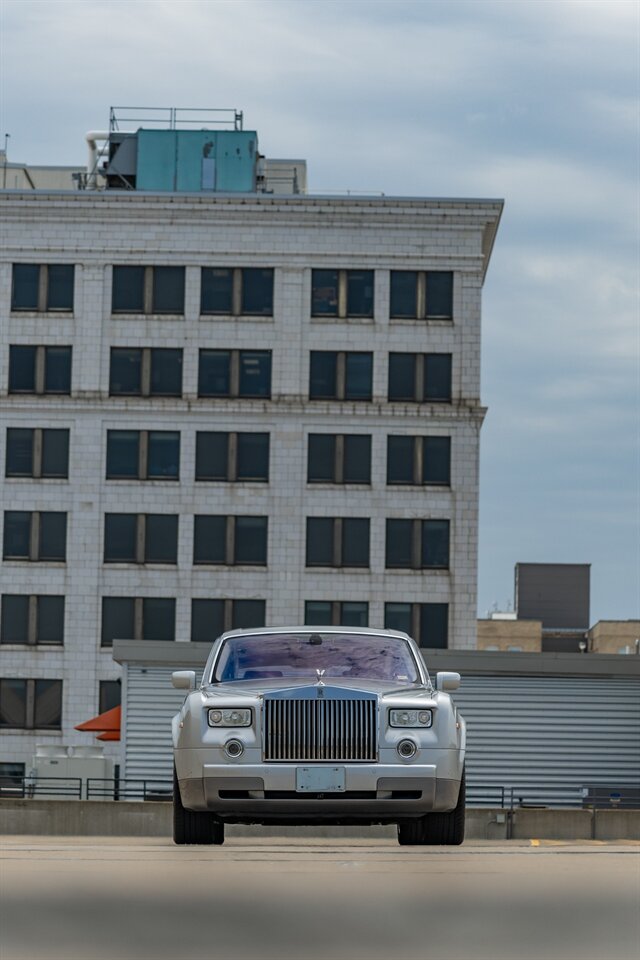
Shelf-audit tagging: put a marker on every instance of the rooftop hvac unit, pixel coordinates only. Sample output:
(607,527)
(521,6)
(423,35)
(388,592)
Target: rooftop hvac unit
(61,773)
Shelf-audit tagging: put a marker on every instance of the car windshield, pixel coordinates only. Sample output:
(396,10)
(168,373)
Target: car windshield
(303,655)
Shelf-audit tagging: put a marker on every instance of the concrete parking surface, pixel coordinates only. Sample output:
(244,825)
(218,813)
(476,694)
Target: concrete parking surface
(317,899)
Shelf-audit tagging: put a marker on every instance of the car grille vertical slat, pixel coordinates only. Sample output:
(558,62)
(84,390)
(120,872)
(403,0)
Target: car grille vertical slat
(320,729)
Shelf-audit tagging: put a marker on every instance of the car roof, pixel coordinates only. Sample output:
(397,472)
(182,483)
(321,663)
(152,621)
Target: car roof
(364,631)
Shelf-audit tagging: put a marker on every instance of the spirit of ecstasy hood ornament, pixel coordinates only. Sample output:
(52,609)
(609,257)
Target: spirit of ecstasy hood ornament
(320,674)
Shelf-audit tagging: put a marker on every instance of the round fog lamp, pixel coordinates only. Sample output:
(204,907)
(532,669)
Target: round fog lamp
(407,749)
(234,749)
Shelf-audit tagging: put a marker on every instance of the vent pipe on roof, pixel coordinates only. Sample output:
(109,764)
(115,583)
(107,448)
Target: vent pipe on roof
(92,160)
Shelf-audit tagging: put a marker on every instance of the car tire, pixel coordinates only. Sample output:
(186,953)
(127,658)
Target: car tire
(193,827)
(436,829)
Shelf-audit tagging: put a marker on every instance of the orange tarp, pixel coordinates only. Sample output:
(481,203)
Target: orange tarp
(109,735)
(107,723)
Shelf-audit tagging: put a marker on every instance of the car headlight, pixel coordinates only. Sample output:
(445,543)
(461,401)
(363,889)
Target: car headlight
(410,718)
(229,718)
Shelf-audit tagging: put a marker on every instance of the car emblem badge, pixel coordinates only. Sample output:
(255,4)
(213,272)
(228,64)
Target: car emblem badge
(320,675)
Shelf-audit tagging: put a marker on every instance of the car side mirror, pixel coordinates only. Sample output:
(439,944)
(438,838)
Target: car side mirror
(184,679)
(446,680)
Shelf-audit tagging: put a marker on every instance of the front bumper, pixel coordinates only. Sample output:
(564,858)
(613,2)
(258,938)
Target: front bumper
(264,793)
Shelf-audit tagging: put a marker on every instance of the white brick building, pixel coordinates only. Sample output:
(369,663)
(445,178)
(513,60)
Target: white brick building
(130,540)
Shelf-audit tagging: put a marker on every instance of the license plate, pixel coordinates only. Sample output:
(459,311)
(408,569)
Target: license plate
(320,780)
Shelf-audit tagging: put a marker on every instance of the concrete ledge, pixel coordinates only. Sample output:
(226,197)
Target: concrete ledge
(107,818)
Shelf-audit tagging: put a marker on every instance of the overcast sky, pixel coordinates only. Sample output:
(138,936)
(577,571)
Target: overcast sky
(534,102)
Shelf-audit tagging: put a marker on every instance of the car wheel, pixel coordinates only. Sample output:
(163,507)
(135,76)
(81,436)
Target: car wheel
(411,832)
(193,827)
(447,828)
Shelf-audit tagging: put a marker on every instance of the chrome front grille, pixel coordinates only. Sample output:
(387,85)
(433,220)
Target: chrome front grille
(315,730)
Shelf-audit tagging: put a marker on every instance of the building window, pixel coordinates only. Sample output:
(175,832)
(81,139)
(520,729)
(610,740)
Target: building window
(339,613)
(234,373)
(337,542)
(30,704)
(42,288)
(419,295)
(428,623)
(210,618)
(143,455)
(32,619)
(232,457)
(420,377)
(138,618)
(140,538)
(342,293)
(340,376)
(148,290)
(237,291)
(11,777)
(230,541)
(37,453)
(148,372)
(417,544)
(419,460)
(339,458)
(36,536)
(109,695)
(39,369)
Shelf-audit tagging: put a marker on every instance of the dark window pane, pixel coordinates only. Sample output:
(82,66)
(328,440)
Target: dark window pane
(216,291)
(209,541)
(321,458)
(17,531)
(252,456)
(53,536)
(435,543)
(57,369)
(125,371)
(257,294)
(324,293)
(354,614)
(11,774)
(50,620)
(358,376)
(19,462)
(322,375)
(48,704)
(14,626)
(255,373)
(212,456)
(403,293)
(440,294)
(214,373)
(437,376)
(360,293)
(357,459)
(166,373)
(168,290)
(122,454)
(355,542)
(434,625)
(251,540)
(55,453)
(397,616)
(158,618)
(120,531)
(399,543)
(400,459)
(60,287)
(24,293)
(317,613)
(402,376)
(110,695)
(247,613)
(22,369)
(117,619)
(320,541)
(436,454)
(128,290)
(207,620)
(13,703)
(164,455)
(161,538)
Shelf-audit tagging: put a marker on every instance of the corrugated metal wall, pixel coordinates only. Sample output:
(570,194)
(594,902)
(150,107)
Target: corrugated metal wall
(557,733)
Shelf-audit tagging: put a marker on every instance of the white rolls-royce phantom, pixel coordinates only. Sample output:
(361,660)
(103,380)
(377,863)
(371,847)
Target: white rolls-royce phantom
(308,725)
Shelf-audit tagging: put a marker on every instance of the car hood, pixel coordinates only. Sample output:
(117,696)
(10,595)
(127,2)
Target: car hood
(334,687)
